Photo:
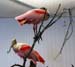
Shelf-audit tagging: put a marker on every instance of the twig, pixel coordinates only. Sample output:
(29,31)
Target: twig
(54,20)
(70,25)
(50,23)
(17,65)
(72,65)
(67,36)
(54,15)
(42,24)
(42,21)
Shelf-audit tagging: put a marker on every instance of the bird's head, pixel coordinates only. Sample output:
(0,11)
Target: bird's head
(47,15)
(14,42)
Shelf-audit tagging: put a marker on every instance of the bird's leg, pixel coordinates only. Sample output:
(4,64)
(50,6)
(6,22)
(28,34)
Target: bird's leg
(24,62)
(35,32)
(35,28)
(32,64)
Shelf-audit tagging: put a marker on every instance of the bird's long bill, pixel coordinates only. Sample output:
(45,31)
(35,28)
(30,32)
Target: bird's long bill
(9,49)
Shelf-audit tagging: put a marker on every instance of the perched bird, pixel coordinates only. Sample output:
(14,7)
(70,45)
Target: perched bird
(34,16)
(22,50)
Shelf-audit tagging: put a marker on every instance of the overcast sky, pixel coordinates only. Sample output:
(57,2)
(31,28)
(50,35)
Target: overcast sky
(48,47)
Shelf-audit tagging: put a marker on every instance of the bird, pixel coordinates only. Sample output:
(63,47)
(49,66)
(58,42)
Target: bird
(22,49)
(34,17)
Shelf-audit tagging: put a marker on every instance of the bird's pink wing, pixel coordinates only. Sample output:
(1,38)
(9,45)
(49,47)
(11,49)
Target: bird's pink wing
(25,47)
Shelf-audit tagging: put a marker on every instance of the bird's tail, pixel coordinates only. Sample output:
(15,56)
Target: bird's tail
(40,59)
(21,21)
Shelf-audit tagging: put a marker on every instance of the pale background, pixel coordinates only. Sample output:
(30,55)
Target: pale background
(52,38)
(48,48)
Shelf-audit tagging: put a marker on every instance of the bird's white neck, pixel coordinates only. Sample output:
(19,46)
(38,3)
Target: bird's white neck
(17,47)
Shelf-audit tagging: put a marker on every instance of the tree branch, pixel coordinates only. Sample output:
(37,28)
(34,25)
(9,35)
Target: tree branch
(67,36)
(16,65)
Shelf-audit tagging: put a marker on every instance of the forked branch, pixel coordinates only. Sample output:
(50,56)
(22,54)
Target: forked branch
(68,33)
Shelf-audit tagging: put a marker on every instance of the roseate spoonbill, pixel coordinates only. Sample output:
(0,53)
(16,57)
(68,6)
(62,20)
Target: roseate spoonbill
(34,16)
(22,50)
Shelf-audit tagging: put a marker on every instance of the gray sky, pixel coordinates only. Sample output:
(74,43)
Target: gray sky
(48,48)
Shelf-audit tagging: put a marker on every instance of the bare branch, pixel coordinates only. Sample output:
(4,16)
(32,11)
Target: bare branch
(70,25)
(42,21)
(54,21)
(16,65)
(55,15)
(67,36)
(72,65)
